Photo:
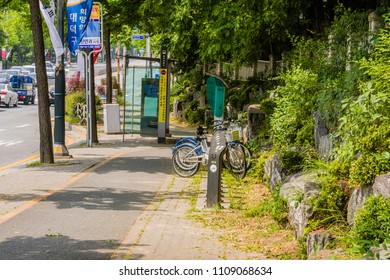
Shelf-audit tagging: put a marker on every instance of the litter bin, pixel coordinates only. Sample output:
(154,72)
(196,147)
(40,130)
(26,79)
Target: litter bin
(111,118)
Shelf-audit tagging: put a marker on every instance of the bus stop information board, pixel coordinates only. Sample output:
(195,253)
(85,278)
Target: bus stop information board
(162,104)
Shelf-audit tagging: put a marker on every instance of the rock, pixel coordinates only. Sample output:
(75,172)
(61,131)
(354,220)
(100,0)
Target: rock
(299,214)
(356,201)
(298,190)
(325,146)
(382,185)
(298,187)
(323,142)
(255,119)
(316,242)
(245,133)
(231,111)
(273,171)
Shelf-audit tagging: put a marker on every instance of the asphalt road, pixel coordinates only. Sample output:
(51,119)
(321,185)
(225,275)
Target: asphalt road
(89,218)
(19,133)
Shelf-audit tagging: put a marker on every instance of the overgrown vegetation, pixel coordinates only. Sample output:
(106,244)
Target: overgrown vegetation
(342,76)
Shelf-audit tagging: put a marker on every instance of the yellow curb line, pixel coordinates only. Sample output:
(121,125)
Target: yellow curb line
(69,141)
(19,162)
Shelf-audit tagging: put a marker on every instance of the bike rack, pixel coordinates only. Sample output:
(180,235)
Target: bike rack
(217,146)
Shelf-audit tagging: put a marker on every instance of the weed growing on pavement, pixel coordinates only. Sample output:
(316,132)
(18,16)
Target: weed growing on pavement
(52,234)
(34,164)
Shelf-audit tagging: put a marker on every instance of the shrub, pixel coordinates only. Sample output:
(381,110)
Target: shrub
(339,169)
(193,114)
(292,161)
(367,167)
(75,85)
(330,205)
(294,108)
(372,223)
(71,101)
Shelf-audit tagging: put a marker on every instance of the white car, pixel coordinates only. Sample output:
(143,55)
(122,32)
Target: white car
(8,95)
(29,68)
(50,72)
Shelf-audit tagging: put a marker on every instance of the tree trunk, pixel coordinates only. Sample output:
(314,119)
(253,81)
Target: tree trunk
(94,136)
(107,43)
(46,138)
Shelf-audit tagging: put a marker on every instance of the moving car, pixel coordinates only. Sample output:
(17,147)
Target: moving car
(50,72)
(8,95)
(24,85)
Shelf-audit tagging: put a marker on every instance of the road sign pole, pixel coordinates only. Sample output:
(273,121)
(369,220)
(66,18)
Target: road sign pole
(88,53)
(60,148)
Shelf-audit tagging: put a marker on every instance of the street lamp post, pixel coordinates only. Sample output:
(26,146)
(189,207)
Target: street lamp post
(60,148)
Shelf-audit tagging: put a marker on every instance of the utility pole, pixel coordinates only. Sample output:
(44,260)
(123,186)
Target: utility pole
(60,148)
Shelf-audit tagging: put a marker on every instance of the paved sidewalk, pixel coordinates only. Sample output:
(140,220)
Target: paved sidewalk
(160,230)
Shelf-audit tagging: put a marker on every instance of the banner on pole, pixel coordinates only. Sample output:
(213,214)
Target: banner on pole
(91,39)
(78,13)
(48,15)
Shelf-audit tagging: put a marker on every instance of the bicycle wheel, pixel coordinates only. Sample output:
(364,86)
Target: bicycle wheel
(248,156)
(185,160)
(235,160)
(184,172)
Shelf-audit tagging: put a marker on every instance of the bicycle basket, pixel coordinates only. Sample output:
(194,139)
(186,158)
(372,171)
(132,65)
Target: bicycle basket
(233,133)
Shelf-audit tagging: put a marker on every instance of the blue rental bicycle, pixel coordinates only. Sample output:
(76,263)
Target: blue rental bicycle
(190,152)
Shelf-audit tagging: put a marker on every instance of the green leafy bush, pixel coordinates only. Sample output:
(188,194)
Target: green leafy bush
(292,161)
(367,167)
(294,107)
(330,205)
(193,114)
(372,223)
(339,169)
(71,101)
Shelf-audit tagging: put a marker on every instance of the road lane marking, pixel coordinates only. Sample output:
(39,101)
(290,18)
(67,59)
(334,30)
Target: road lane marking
(9,143)
(22,125)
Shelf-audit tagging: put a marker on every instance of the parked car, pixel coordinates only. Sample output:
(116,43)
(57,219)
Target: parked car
(4,78)
(8,95)
(24,86)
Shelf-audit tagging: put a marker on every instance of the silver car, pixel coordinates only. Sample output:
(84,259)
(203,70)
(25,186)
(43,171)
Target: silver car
(8,95)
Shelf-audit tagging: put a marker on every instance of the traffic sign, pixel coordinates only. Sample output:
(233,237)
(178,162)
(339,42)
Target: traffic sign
(137,37)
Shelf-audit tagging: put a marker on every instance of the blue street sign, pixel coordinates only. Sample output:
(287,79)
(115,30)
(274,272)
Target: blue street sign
(137,37)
